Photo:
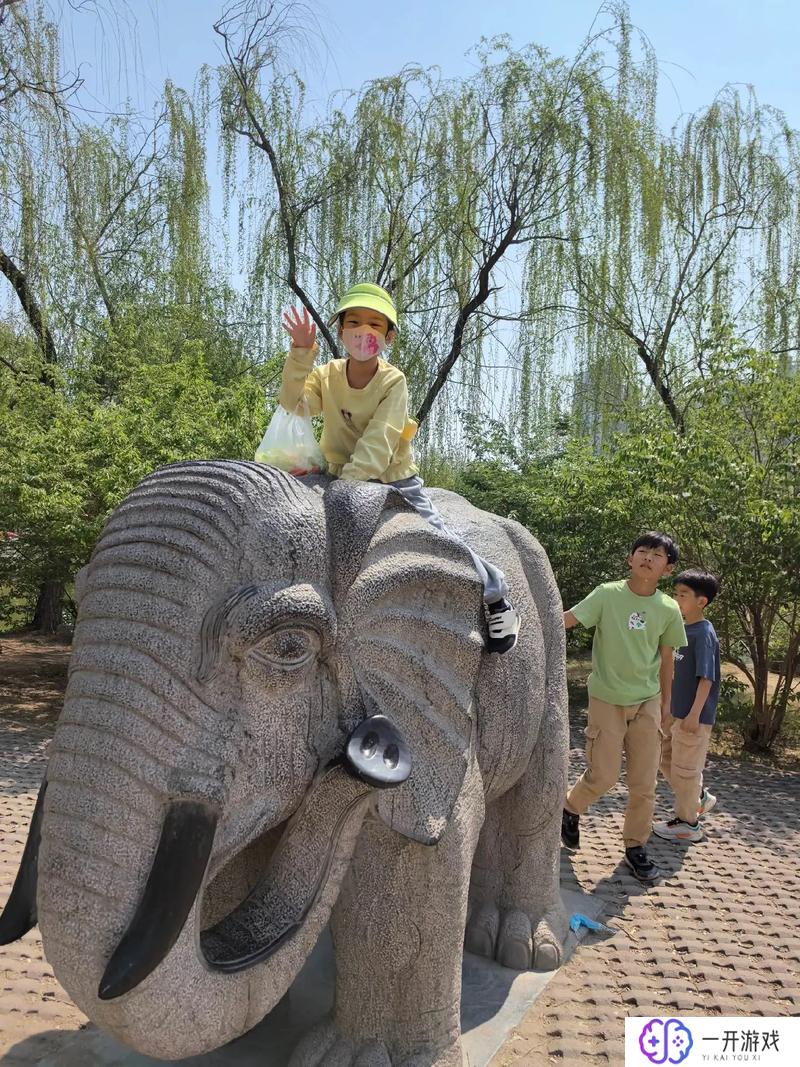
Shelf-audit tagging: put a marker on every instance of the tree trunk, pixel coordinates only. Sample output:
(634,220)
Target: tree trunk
(48,615)
(759,733)
(32,310)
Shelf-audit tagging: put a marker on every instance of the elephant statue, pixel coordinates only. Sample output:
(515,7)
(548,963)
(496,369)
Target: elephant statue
(280,715)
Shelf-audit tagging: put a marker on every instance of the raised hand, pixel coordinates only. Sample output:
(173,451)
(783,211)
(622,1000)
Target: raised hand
(302,331)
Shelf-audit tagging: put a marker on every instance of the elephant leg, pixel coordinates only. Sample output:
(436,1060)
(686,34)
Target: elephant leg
(516,914)
(398,930)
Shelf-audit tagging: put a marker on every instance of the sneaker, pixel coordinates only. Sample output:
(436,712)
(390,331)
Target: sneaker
(640,863)
(504,623)
(678,830)
(570,829)
(707,802)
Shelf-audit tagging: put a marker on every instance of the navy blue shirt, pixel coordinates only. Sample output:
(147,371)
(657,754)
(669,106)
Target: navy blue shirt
(698,659)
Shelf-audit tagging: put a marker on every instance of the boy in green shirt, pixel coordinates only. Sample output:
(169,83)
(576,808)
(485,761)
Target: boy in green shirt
(636,629)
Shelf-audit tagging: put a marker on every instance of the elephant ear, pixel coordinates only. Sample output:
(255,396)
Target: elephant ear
(412,621)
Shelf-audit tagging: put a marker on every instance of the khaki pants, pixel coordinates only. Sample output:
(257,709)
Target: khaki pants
(612,729)
(683,757)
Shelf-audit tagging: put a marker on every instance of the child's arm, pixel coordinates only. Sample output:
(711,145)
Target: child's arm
(586,612)
(376,446)
(665,673)
(691,723)
(705,654)
(300,382)
(674,636)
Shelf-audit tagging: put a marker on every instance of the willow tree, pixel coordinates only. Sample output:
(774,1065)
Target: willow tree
(32,87)
(439,190)
(95,215)
(693,229)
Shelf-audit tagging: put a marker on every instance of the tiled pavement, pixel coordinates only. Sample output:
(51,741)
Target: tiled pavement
(720,935)
(32,1003)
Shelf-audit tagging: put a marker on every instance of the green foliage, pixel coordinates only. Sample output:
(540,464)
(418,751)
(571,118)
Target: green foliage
(434,188)
(157,391)
(728,489)
(585,507)
(735,707)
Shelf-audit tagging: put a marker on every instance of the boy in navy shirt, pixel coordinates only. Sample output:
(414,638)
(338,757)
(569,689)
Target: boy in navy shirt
(695,693)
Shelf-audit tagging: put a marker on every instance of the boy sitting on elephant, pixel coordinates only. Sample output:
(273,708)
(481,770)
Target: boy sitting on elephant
(367,430)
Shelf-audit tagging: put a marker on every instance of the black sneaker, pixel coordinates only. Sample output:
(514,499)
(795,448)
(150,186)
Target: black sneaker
(570,830)
(642,866)
(504,623)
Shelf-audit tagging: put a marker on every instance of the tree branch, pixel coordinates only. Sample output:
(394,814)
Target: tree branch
(30,306)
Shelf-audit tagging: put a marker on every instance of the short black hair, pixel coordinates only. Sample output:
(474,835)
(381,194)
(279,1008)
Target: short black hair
(701,583)
(654,539)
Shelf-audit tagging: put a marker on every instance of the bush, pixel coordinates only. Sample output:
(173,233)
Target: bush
(728,489)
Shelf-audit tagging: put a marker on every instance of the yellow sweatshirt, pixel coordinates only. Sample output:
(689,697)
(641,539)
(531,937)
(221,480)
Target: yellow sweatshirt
(367,432)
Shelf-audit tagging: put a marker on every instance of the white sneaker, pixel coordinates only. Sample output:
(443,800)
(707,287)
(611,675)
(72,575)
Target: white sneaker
(707,802)
(678,830)
(504,624)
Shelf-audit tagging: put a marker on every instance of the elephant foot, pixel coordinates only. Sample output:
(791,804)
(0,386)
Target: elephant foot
(515,939)
(326,1046)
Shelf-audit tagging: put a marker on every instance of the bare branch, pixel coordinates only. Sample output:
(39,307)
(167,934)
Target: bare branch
(30,306)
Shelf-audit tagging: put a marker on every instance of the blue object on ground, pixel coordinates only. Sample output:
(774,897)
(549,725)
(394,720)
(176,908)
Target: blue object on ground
(577,921)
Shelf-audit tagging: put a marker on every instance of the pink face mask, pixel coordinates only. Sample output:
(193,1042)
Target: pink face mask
(362,343)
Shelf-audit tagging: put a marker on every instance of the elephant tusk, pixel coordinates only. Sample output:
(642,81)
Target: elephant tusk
(19,914)
(176,875)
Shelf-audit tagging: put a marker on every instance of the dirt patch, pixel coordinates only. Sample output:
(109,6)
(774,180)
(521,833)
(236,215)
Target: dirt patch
(33,677)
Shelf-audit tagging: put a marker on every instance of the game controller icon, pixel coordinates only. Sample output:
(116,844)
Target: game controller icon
(665,1041)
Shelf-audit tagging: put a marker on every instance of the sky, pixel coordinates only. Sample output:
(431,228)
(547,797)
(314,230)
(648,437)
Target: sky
(701,44)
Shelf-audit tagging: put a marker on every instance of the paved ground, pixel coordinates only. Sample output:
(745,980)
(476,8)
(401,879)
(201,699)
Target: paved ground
(721,935)
(31,1000)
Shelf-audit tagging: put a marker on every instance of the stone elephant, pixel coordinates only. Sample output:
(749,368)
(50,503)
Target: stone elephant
(200,822)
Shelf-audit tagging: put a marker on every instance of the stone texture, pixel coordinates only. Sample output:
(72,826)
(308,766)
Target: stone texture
(493,1000)
(235,625)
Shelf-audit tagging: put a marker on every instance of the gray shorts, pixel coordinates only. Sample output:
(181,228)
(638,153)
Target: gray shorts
(413,492)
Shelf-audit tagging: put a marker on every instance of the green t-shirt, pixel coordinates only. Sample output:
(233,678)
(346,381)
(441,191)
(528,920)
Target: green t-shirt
(629,631)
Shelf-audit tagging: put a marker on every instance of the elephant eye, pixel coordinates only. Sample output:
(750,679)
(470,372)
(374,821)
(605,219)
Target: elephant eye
(287,648)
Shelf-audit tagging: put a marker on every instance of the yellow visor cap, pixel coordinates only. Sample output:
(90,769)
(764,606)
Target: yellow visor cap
(366,295)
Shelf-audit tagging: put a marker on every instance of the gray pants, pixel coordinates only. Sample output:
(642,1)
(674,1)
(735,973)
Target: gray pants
(413,492)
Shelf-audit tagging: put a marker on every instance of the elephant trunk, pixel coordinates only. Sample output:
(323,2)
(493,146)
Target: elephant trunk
(124,934)
(125,863)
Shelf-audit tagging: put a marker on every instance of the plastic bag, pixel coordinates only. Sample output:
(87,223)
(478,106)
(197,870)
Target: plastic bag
(290,445)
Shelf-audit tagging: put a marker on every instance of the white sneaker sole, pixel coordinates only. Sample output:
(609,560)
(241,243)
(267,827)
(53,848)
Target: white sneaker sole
(680,837)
